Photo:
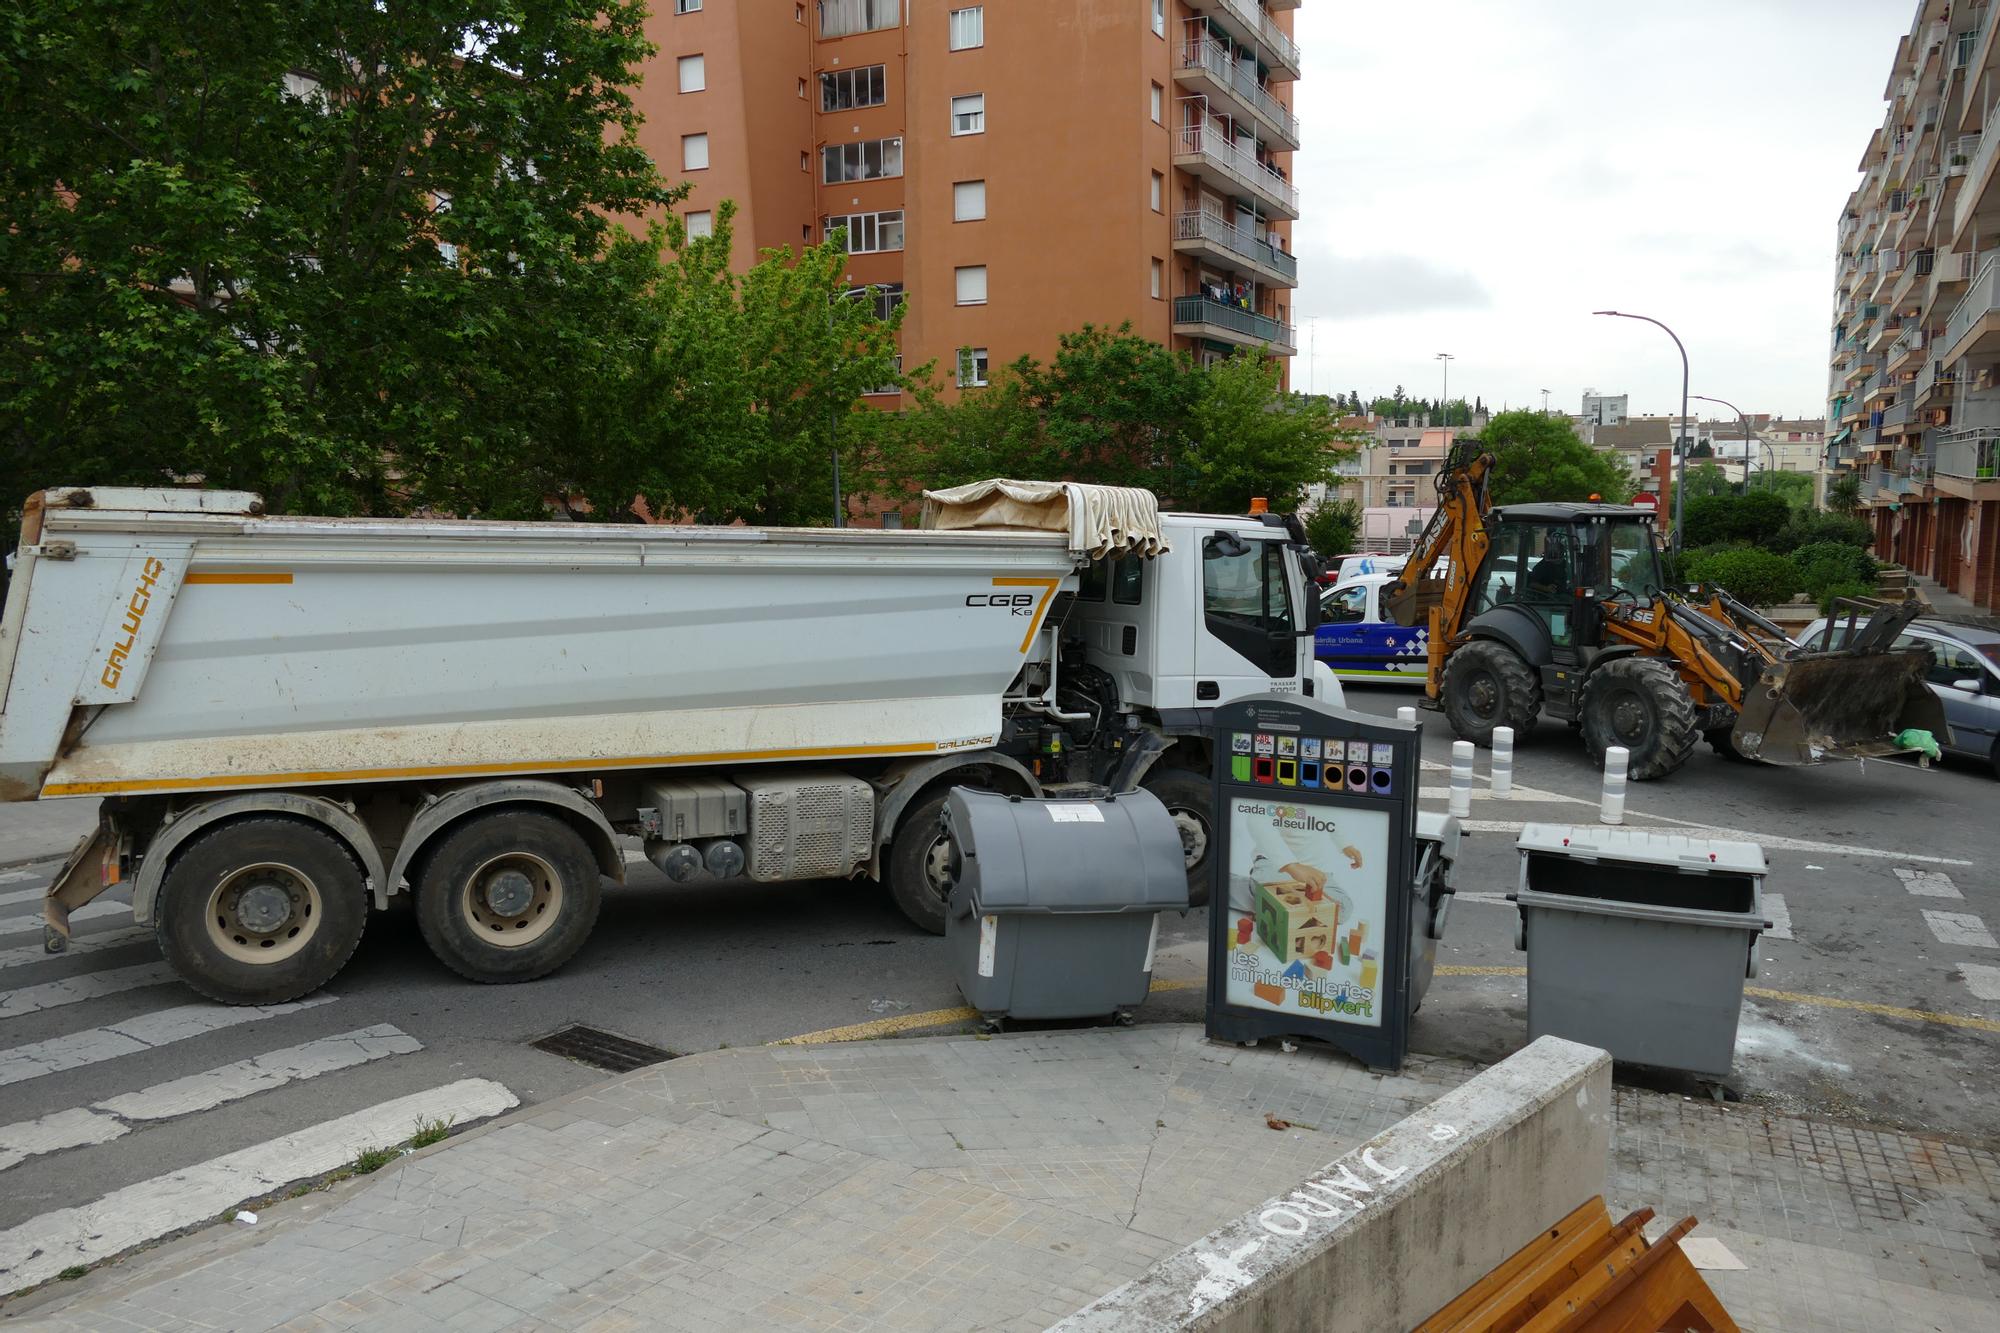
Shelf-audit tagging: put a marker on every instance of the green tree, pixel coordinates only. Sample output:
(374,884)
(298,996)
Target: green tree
(1541,458)
(357,257)
(1251,438)
(1795,487)
(1843,494)
(1334,528)
(1704,479)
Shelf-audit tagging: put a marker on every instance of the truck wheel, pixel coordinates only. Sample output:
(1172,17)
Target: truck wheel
(508,896)
(1641,704)
(260,910)
(1487,685)
(1191,801)
(920,864)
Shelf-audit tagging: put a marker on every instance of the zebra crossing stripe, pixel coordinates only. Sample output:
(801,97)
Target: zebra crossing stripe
(75,990)
(1779,915)
(103,939)
(1982,980)
(92,1046)
(1928,883)
(31,922)
(115,1116)
(1960,928)
(21,896)
(44,1246)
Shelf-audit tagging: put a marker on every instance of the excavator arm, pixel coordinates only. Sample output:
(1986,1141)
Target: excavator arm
(1455,540)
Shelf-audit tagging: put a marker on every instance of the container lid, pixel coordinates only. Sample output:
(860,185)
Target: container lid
(1652,847)
(1014,855)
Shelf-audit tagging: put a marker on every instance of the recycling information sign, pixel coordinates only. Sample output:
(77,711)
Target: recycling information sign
(1309,928)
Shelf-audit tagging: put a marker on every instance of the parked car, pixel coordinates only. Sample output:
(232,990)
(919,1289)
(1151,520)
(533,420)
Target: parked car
(1964,675)
(1356,642)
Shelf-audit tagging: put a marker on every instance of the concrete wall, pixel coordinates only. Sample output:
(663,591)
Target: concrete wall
(1387,1235)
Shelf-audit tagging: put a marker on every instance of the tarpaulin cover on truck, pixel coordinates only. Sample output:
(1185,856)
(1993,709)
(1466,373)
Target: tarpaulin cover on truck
(1100,520)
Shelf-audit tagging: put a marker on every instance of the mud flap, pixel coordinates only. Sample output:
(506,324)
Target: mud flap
(80,880)
(1837,705)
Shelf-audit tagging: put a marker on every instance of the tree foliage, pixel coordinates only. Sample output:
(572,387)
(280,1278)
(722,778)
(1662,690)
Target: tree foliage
(1706,479)
(357,257)
(1761,578)
(1753,517)
(1334,528)
(1843,494)
(1540,457)
(1117,409)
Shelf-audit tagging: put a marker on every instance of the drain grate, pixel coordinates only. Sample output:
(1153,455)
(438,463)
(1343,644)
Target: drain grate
(602,1050)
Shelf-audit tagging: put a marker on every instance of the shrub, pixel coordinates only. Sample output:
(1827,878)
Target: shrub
(1824,564)
(1749,575)
(1827,594)
(1726,518)
(1811,529)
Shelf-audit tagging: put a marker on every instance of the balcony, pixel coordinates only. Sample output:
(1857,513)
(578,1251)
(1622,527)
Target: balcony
(1201,232)
(1963,462)
(1256,24)
(1909,342)
(1974,325)
(1207,152)
(1973,199)
(1935,375)
(1209,67)
(1200,317)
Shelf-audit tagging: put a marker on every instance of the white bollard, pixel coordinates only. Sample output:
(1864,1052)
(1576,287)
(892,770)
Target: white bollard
(1406,715)
(1461,779)
(1611,810)
(1503,761)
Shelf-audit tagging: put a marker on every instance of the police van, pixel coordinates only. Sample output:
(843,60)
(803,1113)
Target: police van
(1355,640)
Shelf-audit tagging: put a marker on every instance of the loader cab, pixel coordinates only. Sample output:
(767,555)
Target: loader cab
(1550,566)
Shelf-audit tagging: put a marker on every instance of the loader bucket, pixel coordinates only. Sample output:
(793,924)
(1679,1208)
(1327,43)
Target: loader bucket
(1837,705)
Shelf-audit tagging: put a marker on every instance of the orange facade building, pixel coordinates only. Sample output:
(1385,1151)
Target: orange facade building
(1012,170)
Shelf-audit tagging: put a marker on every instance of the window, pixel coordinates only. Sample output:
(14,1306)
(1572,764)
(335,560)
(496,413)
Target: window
(968,201)
(968,114)
(1128,580)
(802,88)
(1246,602)
(694,152)
(1344,606)
(687,6)
(1159,104)
(968,27)
(839,18)
(892,387)
(867,233)
(1096,581)
(845,89)
(892,519)
(694,74)
(972,366)
(871,159)
(700,224)
(1159,18)
(1159,192)
(1159,277)
(301,87)
(1952,663)
(971,284)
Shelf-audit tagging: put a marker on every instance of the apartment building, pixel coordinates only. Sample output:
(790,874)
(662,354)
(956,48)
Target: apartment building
(1913,402)
(1009,170)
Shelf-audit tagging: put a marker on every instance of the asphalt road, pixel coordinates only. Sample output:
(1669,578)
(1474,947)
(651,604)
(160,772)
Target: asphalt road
(694,969)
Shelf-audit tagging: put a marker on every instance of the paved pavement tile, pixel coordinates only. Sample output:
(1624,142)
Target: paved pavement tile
(958,1181)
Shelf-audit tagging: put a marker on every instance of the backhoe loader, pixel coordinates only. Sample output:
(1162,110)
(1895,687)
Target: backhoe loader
(1564,607)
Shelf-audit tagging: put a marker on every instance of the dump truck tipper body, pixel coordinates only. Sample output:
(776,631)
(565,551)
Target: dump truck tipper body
(288,717)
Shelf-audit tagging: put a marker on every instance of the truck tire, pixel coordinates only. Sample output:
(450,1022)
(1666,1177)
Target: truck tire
(508,896)
(1191,801)
(919,864)
(1641,704)
(260,910)
(1487,685)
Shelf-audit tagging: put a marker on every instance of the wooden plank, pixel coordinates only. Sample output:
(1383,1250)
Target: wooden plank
(1485,1298)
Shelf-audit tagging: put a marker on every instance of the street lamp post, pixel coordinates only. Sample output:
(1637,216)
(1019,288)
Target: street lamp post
(1545,402)
(1445,405)
(1748,435)
(1680,451)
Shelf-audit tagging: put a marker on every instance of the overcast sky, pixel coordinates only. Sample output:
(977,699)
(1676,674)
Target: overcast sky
(1479,175)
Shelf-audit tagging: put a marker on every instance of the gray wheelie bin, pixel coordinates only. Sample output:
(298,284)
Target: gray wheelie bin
(1639,941)
(1055,904)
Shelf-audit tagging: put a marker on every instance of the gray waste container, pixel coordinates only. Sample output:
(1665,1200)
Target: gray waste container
(1431,887)
(1639,942)
(1055,905)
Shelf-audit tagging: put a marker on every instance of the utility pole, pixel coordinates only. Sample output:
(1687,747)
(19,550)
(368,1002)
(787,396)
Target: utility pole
(1447,359)
(1545,402)
(1680,449)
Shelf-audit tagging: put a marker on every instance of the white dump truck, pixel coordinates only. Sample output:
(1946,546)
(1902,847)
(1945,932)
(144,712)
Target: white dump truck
(290,719)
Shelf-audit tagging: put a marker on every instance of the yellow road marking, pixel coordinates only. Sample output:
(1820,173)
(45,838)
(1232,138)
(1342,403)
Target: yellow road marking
(883,1027)
(228,576)
(1791,997)
(465,770)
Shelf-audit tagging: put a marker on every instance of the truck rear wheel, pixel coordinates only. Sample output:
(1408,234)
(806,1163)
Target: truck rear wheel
(1190,800)
(1487,685)
(920,864)
(508,896)
(1641,704)
(260,910)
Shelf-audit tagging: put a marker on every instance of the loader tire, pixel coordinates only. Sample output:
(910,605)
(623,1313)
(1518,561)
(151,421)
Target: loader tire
(260,910)
(508,896)
(1486,685)
(1641,704)
(919,863)
(1190,802)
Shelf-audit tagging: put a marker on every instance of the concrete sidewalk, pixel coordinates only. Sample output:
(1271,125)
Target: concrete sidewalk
(960,1182)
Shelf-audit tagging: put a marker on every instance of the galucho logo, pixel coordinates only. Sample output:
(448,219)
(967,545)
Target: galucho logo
(135,616)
